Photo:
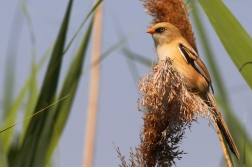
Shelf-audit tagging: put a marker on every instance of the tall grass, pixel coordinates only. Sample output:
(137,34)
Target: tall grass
(39,136)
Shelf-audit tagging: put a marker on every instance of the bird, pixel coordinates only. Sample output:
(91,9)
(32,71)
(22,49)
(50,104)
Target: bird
(185,60)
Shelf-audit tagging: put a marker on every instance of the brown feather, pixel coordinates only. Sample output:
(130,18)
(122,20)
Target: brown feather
(222,126)
(201,66)
(169,43)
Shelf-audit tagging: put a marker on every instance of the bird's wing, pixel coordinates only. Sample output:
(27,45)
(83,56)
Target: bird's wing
(192,58)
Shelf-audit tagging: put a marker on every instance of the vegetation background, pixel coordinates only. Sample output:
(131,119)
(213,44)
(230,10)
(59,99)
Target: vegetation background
(118,119)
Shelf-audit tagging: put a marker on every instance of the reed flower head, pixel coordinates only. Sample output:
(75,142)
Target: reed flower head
(169,106)
(170,109)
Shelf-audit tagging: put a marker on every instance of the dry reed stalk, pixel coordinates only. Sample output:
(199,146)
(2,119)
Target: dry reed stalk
(223,146)
(170,106)
(93,91)
(176,12)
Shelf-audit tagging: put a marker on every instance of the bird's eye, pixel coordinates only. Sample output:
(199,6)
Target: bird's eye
(160,30)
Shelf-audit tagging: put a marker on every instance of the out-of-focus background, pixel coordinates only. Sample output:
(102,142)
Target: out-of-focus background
(119,122)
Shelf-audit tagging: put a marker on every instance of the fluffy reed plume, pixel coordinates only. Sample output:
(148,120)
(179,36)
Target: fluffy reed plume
(170,106)
(174,12)
(170,109)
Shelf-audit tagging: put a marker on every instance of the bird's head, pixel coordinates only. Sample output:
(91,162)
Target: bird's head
(163,32)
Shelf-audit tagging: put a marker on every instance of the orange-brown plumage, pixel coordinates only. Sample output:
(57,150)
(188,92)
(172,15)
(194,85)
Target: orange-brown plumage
(170,43)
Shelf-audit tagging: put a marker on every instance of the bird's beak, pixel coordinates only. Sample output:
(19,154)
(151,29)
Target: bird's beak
(150,31)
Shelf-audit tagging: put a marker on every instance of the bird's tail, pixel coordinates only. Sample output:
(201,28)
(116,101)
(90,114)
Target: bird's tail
(222,126)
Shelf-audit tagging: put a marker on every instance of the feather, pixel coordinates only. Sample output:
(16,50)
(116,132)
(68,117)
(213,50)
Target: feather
(222,126)
(192,58)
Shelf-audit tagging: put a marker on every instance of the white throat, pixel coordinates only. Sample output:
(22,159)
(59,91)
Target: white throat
(165,51)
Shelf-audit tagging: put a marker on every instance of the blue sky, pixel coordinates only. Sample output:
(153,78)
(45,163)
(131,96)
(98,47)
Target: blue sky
(119,121)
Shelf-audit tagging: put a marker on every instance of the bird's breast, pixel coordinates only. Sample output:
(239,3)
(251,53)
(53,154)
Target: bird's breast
(163,53)
(192,78)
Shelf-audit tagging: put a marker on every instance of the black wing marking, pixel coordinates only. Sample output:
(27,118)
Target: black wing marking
(192,58)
